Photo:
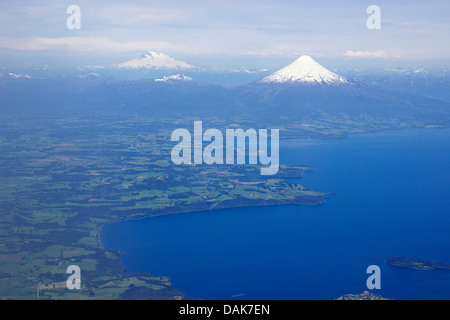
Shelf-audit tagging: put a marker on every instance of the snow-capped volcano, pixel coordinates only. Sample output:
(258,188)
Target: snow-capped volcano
(305,70)
(154,60)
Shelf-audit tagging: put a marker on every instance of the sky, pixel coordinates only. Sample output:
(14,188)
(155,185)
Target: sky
(224,32)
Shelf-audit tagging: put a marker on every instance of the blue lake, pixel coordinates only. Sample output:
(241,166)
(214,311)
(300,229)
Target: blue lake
(392,199)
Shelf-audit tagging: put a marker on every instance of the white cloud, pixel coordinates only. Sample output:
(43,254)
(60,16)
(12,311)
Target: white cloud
(249,28)
(365,54)
(81,44)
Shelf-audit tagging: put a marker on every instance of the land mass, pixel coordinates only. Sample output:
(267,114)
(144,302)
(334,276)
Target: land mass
(63,178)
(417,264)
(365,295)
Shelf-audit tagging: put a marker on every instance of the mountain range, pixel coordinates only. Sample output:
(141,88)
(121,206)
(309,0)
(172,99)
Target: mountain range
(303,98)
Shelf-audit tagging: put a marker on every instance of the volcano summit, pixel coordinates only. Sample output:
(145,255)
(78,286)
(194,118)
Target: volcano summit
(305,70)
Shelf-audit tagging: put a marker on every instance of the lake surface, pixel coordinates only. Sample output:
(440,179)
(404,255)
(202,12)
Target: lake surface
(392,199)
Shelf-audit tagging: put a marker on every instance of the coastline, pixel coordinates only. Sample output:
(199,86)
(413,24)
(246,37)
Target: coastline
(178,210)
(213,207)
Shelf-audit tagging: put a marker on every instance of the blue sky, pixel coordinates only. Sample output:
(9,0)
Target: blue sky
(214,31)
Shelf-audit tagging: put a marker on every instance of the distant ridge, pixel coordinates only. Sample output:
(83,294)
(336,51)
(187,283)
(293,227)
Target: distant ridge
(307,71)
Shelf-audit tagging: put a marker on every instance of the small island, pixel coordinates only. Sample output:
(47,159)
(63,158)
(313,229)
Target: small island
(365,295)
(416,264)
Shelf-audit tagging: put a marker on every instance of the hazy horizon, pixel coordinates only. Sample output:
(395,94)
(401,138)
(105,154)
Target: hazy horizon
(232,34)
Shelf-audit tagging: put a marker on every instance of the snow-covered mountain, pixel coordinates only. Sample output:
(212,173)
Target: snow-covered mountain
(154,60)
(313,107)
(307,71)
(175,77)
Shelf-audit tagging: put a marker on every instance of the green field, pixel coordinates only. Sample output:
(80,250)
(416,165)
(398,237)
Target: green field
(61,179)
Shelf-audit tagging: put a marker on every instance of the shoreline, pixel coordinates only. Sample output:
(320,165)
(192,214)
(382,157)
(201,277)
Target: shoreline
(214,207)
